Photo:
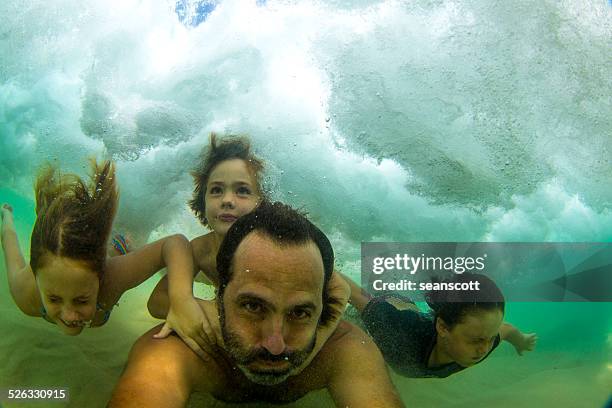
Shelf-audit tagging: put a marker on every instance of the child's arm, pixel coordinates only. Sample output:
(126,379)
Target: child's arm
(159,301)
(359,298)
(192,325)
(189,321)
(128,271)
(173,252)
(521,341)
(22,283)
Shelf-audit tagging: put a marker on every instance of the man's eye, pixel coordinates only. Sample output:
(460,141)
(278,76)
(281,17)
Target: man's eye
(252,307)
(300,314)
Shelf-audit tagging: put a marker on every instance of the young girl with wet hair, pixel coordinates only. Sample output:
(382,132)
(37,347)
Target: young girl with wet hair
(462,329)
(228,185)
(69,280)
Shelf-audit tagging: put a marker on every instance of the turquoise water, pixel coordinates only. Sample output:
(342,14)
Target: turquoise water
(570,368)
(385,120)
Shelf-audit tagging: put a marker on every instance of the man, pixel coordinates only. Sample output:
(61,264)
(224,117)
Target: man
(274,268)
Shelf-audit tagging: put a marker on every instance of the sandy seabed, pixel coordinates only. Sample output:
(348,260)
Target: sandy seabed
(567,373)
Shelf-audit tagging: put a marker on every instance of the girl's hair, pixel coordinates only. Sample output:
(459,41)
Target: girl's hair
(73,219)
(230,147)
(452,305)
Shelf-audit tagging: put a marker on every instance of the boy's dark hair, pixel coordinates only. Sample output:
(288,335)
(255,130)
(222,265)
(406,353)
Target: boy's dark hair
(230,147)
(284,226)
(453,305)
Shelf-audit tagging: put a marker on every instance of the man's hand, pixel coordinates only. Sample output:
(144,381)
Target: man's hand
(194,325)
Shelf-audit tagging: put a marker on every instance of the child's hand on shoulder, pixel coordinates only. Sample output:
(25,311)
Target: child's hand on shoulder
(193,325)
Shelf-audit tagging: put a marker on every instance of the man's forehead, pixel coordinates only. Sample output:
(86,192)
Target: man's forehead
(260,259)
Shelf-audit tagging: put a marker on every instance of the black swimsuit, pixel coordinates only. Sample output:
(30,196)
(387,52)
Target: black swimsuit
(406,339)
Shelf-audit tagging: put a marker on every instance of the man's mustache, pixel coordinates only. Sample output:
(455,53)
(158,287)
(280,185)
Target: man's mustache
(263,354)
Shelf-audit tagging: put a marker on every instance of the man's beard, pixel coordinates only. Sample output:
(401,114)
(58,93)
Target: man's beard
(244,356)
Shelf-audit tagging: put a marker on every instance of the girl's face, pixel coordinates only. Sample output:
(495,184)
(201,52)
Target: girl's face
(470,340)
(231,192)
(69,292)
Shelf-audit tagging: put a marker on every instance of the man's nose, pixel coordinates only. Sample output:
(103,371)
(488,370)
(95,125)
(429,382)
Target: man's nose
(273,337)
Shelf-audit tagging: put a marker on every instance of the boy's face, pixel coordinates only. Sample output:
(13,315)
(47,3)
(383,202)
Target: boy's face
(470,340)
(231,192)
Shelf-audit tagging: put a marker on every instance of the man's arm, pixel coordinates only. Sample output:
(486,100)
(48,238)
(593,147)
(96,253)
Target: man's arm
(159,373)
(359,377)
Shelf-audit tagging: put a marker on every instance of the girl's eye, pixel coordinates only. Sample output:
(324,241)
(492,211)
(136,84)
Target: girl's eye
(80,302)
(54,300)
(215,190)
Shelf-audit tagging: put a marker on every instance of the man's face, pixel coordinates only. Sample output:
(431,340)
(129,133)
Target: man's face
(271,307)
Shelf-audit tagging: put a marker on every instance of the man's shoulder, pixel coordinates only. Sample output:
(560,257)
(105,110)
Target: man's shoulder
(346,332)
(355,372)
(347,342)
(170,358)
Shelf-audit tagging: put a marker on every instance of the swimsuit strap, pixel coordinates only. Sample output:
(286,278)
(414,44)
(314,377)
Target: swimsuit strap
(107,313)
(45,316)
(120,244)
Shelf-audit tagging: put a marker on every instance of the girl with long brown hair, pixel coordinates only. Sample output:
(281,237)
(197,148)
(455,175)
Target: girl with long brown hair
(69,280)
